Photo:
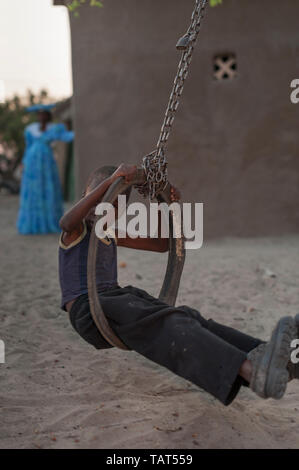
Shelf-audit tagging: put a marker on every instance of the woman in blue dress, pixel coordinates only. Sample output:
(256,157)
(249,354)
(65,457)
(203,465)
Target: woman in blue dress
(41,202)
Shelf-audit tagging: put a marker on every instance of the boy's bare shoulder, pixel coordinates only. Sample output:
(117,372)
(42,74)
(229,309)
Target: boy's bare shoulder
(69,238)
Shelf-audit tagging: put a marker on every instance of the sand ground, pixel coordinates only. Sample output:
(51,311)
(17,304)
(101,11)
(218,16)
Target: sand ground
(58,392)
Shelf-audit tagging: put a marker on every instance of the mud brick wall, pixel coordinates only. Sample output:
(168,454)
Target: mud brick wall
(235,143)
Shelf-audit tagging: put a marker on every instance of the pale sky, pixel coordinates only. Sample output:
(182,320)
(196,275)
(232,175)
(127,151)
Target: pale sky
(34,48)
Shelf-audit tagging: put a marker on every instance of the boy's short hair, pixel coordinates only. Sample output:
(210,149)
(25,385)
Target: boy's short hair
(98,175)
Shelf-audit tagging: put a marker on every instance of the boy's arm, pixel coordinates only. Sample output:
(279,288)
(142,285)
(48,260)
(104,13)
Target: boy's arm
(73,218)
(71,222)
(158,244)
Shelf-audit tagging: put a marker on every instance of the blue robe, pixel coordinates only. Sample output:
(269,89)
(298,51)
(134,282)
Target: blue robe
(41,202)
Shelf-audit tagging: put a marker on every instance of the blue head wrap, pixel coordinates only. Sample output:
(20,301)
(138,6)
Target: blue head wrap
(40,107)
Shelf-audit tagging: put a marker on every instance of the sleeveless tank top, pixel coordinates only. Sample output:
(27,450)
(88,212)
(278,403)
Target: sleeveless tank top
(73,266)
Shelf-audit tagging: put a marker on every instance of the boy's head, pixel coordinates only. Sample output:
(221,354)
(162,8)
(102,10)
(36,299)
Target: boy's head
(96,178)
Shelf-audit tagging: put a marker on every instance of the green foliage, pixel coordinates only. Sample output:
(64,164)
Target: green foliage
(76,4)
(14,119)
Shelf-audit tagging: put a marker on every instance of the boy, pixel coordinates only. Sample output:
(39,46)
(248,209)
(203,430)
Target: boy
(216,358)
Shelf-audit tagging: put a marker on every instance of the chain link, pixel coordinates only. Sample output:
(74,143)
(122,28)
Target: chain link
(155,163)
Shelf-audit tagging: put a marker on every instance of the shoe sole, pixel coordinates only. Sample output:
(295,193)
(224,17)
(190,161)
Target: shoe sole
(272,375)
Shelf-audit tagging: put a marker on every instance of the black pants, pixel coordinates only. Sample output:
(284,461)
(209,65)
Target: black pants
(179,338)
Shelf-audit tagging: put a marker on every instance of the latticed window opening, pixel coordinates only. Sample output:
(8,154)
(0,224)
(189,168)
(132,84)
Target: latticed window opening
(225,66)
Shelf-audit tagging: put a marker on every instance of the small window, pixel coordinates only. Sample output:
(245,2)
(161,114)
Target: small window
(225,66)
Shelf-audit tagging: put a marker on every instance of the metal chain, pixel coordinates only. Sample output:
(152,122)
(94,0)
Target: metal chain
(155,164)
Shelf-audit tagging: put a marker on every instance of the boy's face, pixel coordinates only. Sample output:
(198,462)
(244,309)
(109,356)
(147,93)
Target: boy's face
(90,218)
(115,205)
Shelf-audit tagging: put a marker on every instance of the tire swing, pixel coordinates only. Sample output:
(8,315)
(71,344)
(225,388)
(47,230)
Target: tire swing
(151,180)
